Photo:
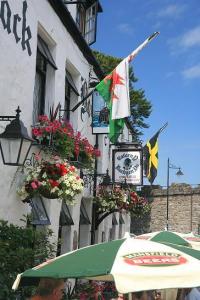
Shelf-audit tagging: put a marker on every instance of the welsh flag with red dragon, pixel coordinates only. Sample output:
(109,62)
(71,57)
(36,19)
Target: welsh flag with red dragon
(114,89)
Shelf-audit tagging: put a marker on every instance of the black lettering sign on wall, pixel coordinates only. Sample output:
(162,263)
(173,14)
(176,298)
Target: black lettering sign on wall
(16,24)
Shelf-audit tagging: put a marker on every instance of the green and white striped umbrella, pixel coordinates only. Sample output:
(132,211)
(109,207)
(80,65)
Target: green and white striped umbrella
(176,238)
(133,264)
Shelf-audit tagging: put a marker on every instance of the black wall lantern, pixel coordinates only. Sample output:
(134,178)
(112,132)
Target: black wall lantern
(15,143)
(107,183)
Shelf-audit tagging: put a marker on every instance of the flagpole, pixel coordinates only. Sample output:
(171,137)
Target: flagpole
(130,58)
(164,126)
(82,101)
(139,48)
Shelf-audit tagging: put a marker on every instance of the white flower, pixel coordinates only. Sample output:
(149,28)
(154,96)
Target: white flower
(69,184)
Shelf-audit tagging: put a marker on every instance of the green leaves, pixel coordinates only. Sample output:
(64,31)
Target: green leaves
(20,248)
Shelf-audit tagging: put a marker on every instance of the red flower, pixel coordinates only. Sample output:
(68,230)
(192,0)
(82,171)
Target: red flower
(53,183)
(36,132)
(63,170)
(48,129)
(43,118)
(97,152)
(72,168)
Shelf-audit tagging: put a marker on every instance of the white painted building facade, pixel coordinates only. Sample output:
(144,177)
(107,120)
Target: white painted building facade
(26,28)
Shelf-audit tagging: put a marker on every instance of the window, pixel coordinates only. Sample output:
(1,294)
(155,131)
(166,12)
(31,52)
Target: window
(65,216)
(121,220)
(114,220)
(103,237)
(70,89)
(80,18)
(90,24)
(111,235)
(86,19)
(43,59)
(65,220)
(84,219)
(39,214)
(44,50)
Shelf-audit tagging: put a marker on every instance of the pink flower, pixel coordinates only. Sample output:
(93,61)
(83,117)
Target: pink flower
(36,132)
(97,152)
(34,185)
(37,156)
(72,168)
(48,129)
(43,118)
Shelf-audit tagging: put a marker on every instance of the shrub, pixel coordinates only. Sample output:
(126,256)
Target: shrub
(20,248)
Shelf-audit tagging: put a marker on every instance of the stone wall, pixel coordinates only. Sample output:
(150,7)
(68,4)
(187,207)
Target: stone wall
(183,208)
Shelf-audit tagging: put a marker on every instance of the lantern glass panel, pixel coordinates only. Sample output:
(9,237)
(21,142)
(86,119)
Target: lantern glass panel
(14,151)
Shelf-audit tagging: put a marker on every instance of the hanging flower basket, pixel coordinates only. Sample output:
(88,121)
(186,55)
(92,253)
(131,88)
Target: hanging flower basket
(138,206)
(107,200)
(51,179)
(64,141)
(122,200)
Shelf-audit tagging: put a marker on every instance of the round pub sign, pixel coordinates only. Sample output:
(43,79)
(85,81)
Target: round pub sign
(127,165)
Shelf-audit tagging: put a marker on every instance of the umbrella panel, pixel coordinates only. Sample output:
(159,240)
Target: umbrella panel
(188,240)
(133,264)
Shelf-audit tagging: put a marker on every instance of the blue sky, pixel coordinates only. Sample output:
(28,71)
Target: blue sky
(168,70)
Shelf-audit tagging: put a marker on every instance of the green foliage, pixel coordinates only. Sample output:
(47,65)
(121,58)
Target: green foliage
(20,248)
(140,106)
(108,63)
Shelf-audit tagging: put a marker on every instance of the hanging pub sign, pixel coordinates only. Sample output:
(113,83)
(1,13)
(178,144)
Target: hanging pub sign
(127,166)
(100,115)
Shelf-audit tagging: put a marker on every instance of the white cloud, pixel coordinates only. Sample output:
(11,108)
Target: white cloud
(172,11)
(192,72)
(189,39)
(125,28)
(157,25)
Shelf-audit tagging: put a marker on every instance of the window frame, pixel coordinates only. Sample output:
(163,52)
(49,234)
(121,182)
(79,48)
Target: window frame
(84,218)
(121,219)
(91,23)
(114,220)
(65,214)
(69,88)
(43,48)
(43,59)
(80,18)
(34,211)
(85,18)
